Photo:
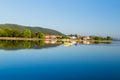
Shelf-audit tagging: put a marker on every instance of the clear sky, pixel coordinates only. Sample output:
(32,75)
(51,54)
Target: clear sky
(85,17)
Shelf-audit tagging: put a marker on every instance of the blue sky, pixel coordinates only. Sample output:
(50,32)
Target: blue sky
(85,17)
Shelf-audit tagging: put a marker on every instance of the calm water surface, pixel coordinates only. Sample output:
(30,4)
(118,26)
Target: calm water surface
(57,62)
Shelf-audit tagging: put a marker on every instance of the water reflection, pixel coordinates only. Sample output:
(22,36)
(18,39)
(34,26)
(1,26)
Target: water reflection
(71,43)
(15,45)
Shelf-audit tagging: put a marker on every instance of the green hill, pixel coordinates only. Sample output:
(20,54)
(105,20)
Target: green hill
(33,29)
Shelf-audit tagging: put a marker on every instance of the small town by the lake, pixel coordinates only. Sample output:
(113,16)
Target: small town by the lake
(59,39)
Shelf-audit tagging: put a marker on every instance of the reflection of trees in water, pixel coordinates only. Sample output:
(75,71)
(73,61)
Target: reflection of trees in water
(93,42)
(76,43)
(10,44)
(27,44)
(41,43)
(102,42)
(14,45)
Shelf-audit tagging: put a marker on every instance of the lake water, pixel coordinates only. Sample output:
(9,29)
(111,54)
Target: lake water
(66,61)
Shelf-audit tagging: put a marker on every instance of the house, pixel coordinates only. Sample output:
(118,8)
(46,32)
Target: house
(86,38)
(59,36)
(50,36)
(72,36)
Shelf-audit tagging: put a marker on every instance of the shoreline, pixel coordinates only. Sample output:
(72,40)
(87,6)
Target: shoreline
(37,39)
(21,39)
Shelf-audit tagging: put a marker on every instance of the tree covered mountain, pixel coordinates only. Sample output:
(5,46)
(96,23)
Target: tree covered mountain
(33,29)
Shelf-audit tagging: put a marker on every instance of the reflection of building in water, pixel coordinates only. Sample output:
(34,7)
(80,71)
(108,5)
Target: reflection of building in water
(76,43)
(50,36)
(59,43)
(86,42)
(68,44)
(50,42)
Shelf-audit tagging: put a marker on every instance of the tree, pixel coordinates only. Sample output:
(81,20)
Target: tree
(108,38)
(65,37)
(9,32)
(3,33)
(16,33)
(97,38)
(41,35)
(27,33)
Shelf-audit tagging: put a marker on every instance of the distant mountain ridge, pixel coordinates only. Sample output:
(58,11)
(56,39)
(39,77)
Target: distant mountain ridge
(33,29)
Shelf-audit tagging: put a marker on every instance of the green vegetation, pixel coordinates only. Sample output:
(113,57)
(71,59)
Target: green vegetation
(27,44)
(41,35)
(16,45)
(27,33)
(32,29)
(65,37)
(8,32)
(101,38)
(13,30)
(109,38)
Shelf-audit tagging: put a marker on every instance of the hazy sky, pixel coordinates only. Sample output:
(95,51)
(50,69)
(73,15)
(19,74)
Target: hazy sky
(85,17)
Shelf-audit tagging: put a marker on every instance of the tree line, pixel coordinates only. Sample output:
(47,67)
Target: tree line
(101,38)
(8,32)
